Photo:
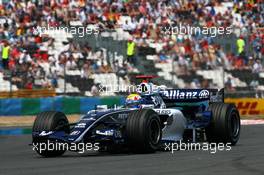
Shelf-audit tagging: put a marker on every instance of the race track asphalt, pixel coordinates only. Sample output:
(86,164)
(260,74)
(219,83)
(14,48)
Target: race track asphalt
(17,157)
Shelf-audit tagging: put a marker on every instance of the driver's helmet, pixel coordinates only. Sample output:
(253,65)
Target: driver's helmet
(133,101)
(145,88)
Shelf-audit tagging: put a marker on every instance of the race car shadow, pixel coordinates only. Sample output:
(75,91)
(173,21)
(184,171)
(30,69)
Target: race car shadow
(103,154)
(99,154)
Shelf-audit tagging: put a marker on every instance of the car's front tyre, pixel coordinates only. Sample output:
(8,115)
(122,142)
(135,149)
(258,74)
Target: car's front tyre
(49,121)
(143,130)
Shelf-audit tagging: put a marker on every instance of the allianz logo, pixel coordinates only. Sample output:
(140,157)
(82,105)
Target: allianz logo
(204,94)
(178,94)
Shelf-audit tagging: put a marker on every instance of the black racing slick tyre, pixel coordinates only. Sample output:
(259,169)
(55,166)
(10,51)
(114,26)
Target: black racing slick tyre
(225,124)
(49,121)
(143,130)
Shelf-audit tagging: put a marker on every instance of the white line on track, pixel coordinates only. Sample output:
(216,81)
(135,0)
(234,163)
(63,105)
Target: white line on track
(252,122)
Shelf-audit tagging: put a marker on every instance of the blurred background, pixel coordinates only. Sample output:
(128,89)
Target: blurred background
(67,67)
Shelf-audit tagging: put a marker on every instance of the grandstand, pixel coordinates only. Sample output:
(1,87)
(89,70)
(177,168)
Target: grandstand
(74,65)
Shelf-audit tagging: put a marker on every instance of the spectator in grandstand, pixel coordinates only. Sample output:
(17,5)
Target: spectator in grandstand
(54,80)
(183,65)
(126,26)
(95,66)
(254,84)
(95,90)
(24,57)
(104,68)
(257,66)
(1,66)
(206,84)
(195,84)
(86,71)
(163,57)
(223,57)
(40,78)
(60,65)
(240,45)
(257,45)
(229,84)
(71,63)
(131,51)
(29,84)
(5,54)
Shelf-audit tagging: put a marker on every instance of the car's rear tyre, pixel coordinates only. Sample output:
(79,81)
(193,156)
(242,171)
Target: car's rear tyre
(143,130)
(49,121)
(225,124)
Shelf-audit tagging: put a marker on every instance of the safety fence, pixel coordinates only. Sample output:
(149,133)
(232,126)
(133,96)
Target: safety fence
(68,105)
(81,105)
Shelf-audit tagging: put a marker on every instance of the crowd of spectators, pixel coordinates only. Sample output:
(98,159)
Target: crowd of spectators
(197,51)
(146,24)
(30,62)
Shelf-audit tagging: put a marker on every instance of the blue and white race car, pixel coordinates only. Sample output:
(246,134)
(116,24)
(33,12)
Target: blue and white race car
(151,117)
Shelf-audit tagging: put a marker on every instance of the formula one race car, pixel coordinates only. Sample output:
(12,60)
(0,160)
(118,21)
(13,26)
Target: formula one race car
(150,118)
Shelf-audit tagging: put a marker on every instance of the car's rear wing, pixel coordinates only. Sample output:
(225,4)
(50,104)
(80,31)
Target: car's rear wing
(192,95)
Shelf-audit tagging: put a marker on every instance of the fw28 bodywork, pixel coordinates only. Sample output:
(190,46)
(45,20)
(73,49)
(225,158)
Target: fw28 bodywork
(164,115)
(89,127)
